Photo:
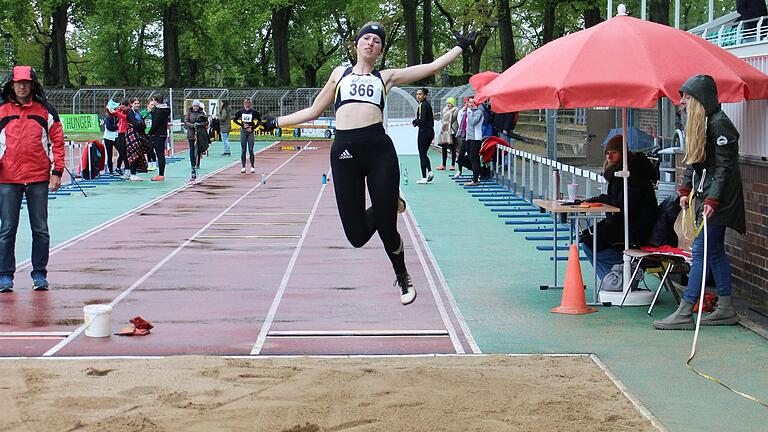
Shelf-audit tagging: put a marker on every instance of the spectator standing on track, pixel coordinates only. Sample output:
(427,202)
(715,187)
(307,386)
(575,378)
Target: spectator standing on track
(31,164)
(136,141)
(461,135)
(247,119)
(362,153)
(447,138)
(146,116)
(475,118)
(110,136)
(713,174)
(425,121)
(225,121)
(158,132)
(122,154)
(193,121)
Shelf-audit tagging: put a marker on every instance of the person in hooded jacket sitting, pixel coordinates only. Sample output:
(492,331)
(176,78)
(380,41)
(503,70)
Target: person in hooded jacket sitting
(643,207)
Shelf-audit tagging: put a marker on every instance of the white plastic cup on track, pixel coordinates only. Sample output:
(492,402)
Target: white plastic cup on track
(98,320)
(573,190)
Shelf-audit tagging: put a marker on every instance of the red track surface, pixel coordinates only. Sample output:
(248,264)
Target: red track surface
(208,264)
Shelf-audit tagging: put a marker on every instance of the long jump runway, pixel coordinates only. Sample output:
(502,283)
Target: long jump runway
(230,266)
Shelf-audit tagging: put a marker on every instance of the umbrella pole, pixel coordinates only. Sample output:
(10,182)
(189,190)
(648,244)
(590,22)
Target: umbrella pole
(625,174)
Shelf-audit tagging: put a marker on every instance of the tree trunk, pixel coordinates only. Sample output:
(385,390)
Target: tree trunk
(659,11)
(507,38)
(171,62)
(592,14)
(411,31)
(310,76)
(280,19)
(59,45)
(48,74)
(477,53)
(139,75)
(548,31)
(428,56)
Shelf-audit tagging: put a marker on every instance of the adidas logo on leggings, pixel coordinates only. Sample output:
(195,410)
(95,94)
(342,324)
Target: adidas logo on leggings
(345,155)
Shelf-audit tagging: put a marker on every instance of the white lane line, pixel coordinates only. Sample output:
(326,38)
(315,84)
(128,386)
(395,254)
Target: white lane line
(168,257)
(446,290)
(32,334)
(435,293)
(82,236)
(639,406)
(323,333)
(286,276)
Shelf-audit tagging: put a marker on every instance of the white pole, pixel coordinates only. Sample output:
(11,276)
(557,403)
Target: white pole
(677,14)
(643,7)
(610,10)
(711,10)
(625,174)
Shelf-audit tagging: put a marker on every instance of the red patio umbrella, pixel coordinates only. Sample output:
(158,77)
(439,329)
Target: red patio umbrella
(480,80)
(622,62)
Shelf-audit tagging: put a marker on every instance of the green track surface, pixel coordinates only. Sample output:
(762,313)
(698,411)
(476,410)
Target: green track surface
(494,274)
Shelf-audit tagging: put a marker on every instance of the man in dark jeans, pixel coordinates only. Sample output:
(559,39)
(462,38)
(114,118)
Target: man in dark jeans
(31,140)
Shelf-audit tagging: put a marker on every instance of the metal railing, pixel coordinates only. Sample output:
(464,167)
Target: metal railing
(732,34)
(528,175)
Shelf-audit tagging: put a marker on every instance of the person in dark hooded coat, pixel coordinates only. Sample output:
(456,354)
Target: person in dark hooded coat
(643,207)
(714,176)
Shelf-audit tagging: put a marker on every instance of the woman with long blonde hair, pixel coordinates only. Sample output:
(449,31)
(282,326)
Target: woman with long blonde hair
(712,185)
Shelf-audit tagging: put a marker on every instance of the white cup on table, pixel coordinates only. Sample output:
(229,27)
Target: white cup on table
(573,190)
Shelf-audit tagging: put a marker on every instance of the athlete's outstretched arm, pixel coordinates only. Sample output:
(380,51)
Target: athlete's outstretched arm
(321,102)
(417,72)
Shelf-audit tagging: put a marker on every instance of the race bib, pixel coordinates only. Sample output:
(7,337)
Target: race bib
(365,88)
(247,118)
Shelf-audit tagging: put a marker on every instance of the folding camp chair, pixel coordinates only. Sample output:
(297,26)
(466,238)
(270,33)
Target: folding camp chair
(668,262)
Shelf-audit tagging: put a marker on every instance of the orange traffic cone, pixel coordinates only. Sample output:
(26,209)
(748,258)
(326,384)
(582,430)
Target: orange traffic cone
(574,302)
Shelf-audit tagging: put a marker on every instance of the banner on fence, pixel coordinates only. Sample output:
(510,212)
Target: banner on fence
(80,122)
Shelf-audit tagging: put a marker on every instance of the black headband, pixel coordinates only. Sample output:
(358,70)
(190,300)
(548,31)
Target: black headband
(372,28)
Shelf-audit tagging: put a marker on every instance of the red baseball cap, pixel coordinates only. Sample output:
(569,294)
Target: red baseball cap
(23,73)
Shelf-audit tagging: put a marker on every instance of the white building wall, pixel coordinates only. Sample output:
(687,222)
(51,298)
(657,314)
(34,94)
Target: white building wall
(751,117)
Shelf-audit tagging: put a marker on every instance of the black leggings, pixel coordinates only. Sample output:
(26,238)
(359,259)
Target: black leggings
(424,140)
(473,147)
(122,151)
(246,138)
(109,144)
(452,148)
(158,145)
(360,156)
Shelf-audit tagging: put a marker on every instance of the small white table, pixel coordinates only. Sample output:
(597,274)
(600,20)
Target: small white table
(574,213)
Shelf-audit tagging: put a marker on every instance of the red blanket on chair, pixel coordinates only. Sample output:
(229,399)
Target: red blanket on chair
(489,148)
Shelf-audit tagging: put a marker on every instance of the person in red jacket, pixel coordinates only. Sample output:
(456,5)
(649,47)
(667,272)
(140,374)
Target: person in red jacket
(31,143)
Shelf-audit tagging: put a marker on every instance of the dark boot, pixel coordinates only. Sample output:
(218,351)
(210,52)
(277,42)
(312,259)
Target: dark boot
(681,319)
(724,314)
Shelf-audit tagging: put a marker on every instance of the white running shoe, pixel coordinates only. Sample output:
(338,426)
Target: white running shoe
(430,176)
(423,181)
(407,291)
(135,178)
(242,171)
(457,175)
(253,170)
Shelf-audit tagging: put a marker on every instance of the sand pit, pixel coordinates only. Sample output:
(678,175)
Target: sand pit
(494,393)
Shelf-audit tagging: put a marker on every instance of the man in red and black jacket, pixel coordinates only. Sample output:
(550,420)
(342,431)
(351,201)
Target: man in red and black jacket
(31,163)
